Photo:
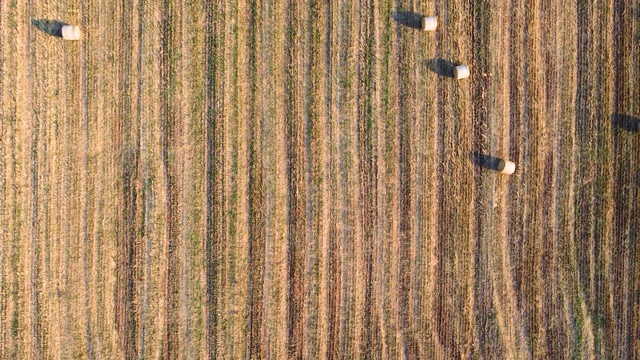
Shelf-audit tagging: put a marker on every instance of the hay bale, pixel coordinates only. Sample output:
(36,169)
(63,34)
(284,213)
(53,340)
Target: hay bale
(461,72)
(429,23)
(70,32)
(506,167)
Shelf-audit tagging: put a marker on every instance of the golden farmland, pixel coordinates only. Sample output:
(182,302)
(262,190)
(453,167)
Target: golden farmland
(245,179)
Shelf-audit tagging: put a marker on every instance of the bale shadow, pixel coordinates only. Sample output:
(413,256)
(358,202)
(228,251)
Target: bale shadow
(441,67)
(485,161)
(51,27)
(626,122)
(408,18)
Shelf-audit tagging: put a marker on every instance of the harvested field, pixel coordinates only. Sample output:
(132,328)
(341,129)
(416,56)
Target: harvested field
(245,179)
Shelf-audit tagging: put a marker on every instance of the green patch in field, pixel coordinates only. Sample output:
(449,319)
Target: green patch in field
(577,345)
(15,324)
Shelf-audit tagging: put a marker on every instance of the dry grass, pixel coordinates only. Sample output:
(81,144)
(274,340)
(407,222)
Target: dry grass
(245,179)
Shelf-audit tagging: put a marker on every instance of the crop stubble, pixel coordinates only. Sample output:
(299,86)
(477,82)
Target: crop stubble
(258,179)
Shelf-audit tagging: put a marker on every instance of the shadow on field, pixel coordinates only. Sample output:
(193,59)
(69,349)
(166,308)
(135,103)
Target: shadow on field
(626,122)
(485,161)
(441,67)
(408,19)
(51,27)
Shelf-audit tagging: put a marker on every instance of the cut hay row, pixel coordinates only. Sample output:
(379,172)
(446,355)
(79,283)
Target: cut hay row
(214,179)
(454,192)
(128,248)
(324,180)
(405,337)
(488,129)
(32,204)
(274,180)
(581,337)
(4,218)
(384,253)
(621,147)
(427,169)
(255,211)
(331,253)
(233,262)
(316,177)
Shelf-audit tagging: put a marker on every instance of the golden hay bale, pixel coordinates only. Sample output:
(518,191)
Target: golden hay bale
(70,32)
(461,72)
(506,167)
(429,23)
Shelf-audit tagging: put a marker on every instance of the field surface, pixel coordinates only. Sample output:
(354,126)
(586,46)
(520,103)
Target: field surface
(303,178)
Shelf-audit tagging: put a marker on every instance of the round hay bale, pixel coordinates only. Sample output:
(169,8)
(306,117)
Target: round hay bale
(429,23)
(506,167)
(461,72)
(70,32)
